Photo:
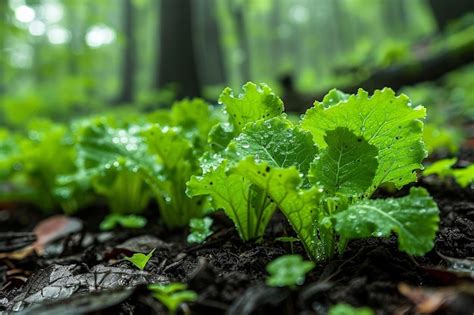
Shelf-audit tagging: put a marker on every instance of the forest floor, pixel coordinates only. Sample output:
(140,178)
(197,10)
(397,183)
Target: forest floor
(84,271)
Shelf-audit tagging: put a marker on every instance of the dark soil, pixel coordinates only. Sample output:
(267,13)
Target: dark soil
(229,275)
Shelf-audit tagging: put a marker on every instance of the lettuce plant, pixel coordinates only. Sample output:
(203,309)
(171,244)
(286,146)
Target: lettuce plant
(30,164)
(131,164)
(114,162)
(246,204)
(322,171)
(444,168)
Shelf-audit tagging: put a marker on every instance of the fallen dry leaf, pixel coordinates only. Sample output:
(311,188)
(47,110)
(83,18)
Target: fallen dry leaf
(54,228)
(431,300)
(48,230)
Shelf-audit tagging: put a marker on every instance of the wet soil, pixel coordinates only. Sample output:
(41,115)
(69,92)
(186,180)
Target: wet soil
(85,272)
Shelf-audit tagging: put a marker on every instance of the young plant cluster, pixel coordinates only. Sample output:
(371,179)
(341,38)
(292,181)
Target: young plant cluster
(248,158)
(320,170)
(444,169)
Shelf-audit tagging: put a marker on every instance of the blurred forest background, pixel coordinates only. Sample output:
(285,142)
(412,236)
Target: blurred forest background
(63,58)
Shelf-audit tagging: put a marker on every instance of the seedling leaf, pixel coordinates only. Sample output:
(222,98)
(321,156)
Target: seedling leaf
(200,230)
(140,260)
(172,295)
(288,271)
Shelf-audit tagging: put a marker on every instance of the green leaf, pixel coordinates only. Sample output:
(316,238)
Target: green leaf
(180,162)
(385,121)
(194,115)
(220,135)
(200,229)
(277,142)
(127,221)
(414,218)
(347,165)
(101,146)
(255,103)
(169,144)
(172,295)
(288,271)
(283,185)
(333,97)
(346,309)
(442,168)
(246,207)
(465,176)
(140,260)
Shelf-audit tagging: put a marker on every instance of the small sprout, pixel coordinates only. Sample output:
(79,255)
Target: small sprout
(288,239)
(140,260)
(288,270)
(200,230)
(346,309)
(172,295)
(127,221)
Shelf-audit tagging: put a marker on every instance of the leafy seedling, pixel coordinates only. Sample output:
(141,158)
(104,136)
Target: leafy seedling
(321,171)
(200,230)
(140,260)
(288,271)
(130,221)
(172,295)
(444,168)
(346,309)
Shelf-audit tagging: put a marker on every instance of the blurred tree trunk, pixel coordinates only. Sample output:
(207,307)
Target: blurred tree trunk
(176,53)
(210,50)
(129,55)
(276,46)
(243,42)
(3,35)
(447,11)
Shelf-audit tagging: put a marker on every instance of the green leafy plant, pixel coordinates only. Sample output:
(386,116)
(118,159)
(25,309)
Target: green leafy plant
(322,171)
(246,204)
(200,229)
(444,168)
(33,162)
(114,163)
(131,164)
(172,295)
(288,271)
(346,309)
(130,221)
(140,260)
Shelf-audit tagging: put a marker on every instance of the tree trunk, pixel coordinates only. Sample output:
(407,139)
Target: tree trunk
(208,44)
(447,11)
(243,43)
(129,55)
(3,62)
(177,58)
